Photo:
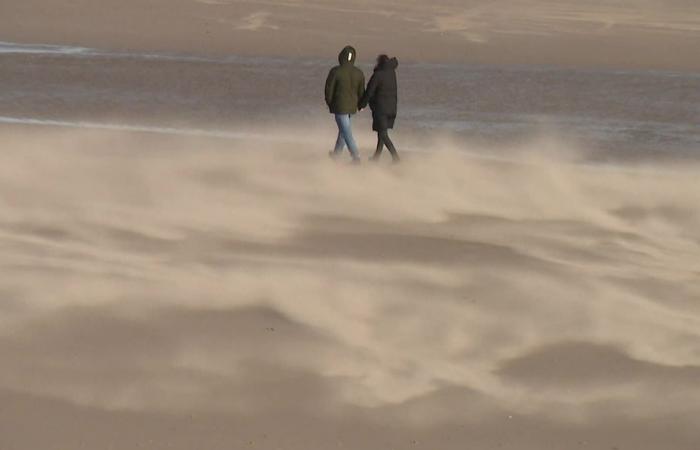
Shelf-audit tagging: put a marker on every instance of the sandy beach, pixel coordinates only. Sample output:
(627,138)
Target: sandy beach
(183,267)
(651,34)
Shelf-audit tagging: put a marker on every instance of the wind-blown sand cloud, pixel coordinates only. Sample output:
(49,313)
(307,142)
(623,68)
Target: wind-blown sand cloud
(452,299)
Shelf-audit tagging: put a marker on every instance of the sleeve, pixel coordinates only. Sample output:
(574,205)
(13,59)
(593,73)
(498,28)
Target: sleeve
(361,89)
(330,87)
(369,92)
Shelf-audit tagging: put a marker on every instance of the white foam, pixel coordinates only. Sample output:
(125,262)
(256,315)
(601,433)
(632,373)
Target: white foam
(14,48)
(238,135)
(8,48)
(65,50)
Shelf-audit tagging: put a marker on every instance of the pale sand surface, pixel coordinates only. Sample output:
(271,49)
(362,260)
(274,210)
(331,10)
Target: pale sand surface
(661,34)
(179,293)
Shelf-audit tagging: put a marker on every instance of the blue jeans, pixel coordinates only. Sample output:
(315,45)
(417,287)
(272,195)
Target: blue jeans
(345,136)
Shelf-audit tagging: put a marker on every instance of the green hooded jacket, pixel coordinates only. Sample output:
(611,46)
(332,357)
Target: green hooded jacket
(345,84)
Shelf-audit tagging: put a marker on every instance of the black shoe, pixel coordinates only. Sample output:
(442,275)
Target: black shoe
(333,154)
(373,158)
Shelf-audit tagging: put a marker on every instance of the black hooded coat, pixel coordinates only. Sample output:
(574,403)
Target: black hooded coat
(382,95)
(345,84)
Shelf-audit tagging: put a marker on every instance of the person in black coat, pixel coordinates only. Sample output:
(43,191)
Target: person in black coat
(381,95)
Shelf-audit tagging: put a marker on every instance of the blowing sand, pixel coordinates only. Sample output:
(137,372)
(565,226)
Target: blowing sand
(180,293)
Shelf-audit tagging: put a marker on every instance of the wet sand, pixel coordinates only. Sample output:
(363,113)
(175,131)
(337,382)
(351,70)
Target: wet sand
(188,292)
(622,115)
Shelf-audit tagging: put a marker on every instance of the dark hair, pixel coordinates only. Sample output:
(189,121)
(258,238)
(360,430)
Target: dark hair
(381,60)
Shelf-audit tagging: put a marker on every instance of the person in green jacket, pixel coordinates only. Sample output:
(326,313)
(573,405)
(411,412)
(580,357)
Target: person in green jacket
(345,86)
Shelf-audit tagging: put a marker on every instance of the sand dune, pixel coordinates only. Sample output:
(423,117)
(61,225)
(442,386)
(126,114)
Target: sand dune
(182,292)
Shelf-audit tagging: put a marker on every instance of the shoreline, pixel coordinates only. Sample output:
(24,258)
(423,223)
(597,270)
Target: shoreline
(55,48)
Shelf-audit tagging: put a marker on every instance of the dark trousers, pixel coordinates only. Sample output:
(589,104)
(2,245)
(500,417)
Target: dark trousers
(382,140)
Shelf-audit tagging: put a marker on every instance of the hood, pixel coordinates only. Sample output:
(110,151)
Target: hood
(390,64)
(343,56)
